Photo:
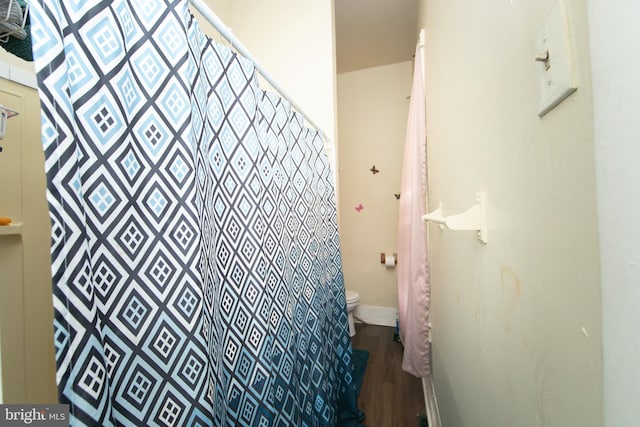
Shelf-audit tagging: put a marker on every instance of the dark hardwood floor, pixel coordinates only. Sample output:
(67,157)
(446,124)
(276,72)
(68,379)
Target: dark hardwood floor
(389,397)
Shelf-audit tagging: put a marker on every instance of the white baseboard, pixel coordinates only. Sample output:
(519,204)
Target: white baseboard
(374,315)
(430,402)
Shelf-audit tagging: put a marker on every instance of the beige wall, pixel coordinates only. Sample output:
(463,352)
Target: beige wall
(516,323)
(222,9)
(373,108)
(28,367)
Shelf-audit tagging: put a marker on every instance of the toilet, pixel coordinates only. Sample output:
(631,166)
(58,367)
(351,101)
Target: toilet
(353,298)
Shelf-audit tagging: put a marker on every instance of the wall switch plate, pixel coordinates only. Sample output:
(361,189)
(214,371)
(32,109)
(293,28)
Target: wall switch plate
(556,73)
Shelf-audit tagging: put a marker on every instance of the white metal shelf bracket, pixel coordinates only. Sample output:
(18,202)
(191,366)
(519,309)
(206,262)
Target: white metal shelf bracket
(5,113)
(474,218)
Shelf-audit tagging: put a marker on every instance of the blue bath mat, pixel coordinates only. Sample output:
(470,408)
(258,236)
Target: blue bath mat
(360,359)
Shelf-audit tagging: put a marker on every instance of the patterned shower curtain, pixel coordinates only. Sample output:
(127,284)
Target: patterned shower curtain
(195,255)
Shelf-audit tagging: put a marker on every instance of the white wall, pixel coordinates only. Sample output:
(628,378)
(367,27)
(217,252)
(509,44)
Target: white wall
(373,108)
(615,41)
(516,323)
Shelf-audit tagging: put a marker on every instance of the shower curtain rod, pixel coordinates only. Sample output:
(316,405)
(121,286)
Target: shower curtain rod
(224,31)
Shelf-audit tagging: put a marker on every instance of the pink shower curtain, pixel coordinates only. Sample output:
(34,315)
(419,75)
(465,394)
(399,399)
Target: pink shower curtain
(413,269)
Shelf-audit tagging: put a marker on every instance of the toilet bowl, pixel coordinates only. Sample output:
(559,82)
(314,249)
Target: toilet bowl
(353,298)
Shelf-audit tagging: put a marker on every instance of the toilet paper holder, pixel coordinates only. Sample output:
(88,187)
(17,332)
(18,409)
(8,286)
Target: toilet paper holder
(383,258)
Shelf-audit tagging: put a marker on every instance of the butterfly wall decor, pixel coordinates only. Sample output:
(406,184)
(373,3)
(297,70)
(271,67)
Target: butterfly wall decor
(359,207)
(374,170)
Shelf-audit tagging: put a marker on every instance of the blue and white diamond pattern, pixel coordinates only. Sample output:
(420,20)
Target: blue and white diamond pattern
(179,168)
(134,313)
(128,90)
(170,35)
(175,102)
(187,304)
(128,24)
(103,198)
(102,118)
(80,76)
(150,68)
(132,237)
(153,133)
(103,37)
(150,11)
(159,270)
(195,264)
(184,235)
(131,164)
(157,201)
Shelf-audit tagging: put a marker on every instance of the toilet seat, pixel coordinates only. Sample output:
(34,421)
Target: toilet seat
(352,296)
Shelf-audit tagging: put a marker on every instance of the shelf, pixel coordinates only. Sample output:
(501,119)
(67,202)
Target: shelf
(13,229)
(474,218)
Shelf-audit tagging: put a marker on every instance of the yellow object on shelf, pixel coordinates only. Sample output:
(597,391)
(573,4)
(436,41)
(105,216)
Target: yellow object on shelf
(5,220)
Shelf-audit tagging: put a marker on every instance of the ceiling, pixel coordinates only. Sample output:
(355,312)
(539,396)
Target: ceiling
(370,33)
